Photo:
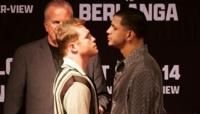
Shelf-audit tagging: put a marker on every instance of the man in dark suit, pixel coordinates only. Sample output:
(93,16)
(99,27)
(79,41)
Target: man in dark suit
(30,84)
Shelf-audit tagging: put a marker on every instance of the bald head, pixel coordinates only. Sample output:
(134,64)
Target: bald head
(57,4)
(55,13)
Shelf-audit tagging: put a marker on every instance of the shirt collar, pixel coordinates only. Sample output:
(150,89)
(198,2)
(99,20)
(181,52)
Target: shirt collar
(71,63)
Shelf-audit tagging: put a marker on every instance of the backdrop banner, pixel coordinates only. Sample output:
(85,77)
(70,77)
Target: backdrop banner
(173,39)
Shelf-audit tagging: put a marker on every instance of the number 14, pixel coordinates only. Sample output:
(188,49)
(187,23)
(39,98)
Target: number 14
(173,73)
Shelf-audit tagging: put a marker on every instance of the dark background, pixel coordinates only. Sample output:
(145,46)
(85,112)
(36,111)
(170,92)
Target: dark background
(170,42)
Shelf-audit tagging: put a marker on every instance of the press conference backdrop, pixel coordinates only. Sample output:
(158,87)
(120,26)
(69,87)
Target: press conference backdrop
(173,39)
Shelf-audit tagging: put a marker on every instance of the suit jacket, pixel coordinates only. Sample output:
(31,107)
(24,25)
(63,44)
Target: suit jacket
(138,85)
(30,85)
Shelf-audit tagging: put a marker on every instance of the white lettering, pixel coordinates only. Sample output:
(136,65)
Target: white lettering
(84,11)
(109,89)
(105,68)
(104,12)
(132,6)
(8,65)
(110,9)
(21,8)
(172,13)
(97,12)
(2,8)
(2,73)
(171,89)
(157,11)
(2,93)
(171,74)
(13,8)
(148,13)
